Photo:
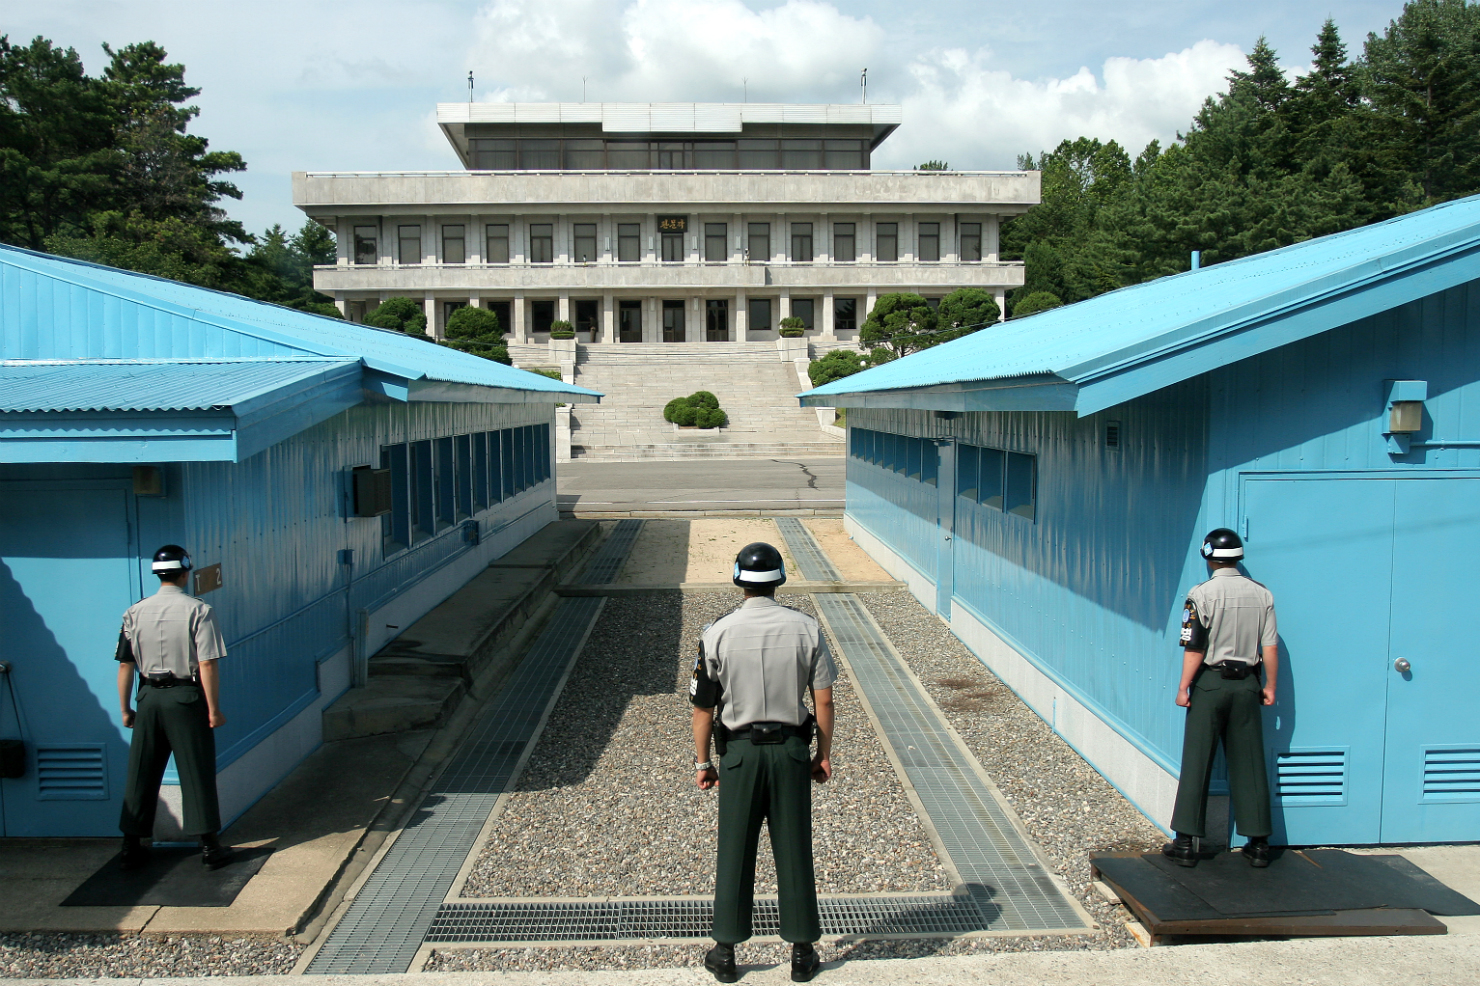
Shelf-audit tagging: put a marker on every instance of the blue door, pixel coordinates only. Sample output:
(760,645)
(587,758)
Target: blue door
(1431,785)
(1323,548)
(945,545)
(1375,737)
(67,573)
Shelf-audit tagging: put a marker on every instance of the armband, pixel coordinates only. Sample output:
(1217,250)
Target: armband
(125,652)
(1194,635)
(704,692)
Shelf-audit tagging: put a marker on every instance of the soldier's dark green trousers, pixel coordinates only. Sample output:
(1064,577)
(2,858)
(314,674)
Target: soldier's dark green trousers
(765,783)
(1226,710)
(171,720)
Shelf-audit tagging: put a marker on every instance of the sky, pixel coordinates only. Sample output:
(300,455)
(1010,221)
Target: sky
(320,85)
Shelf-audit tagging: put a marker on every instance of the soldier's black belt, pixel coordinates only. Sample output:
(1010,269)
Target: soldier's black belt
(1236,670)
(165,679)
(762,733)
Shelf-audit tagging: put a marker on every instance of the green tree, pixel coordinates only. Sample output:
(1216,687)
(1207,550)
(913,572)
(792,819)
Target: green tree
(933,165)
(400,315)
(966,310)
(837,364)
(901,323)
(477,331)
(1038,301)
(280,267)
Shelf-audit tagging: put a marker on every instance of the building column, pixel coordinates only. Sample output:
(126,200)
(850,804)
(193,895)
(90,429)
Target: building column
(822,239)
(344,241)
(742,318)
(827,316)
(430,248)
(949,248)
(387,251)
(650,225)
(521,323)
(517,238)
(341,304)
(608,319)
(865,238)
(868,305)
(783,307)
(781,241)
(1001,295)
(562,307)
(475,242)
(606,240)
(429,305)
(652,318)
(991,227)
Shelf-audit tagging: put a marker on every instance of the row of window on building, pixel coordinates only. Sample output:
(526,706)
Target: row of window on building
(992,477)
(597,154)
(441,482)
(670,248)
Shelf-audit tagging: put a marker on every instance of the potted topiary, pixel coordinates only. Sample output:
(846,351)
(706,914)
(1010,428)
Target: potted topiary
(698,410)
(562,342)
(562,330)
(791,345)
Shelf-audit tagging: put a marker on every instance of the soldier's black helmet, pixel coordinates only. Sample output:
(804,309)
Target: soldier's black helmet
(170,559)
(1222,545)
(759,565)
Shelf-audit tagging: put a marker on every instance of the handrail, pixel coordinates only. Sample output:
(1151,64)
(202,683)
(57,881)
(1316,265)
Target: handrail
(547,172)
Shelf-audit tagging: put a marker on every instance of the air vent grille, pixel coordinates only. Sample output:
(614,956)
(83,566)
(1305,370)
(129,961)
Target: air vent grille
(1112,434)
(75,772)
(1451,773)
(1311,777)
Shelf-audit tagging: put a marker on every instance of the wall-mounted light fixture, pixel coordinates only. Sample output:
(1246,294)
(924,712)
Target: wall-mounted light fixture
(1404,414)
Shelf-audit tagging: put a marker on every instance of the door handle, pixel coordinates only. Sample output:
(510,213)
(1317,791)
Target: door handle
(1402,666)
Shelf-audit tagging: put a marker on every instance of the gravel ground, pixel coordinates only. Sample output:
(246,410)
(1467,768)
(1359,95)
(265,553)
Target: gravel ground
(608,806)
(1068,808)
(113,956)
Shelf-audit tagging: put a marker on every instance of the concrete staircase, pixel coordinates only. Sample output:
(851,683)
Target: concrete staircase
(754,388)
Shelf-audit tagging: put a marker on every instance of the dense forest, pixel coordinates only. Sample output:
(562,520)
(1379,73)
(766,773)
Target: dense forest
(103,168)
(1271,162)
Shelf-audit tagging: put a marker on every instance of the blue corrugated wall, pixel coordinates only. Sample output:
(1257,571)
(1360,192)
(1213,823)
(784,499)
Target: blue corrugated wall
(1090,590)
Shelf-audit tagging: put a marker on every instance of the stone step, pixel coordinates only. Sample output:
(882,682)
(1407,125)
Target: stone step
(393,705)
(707,450)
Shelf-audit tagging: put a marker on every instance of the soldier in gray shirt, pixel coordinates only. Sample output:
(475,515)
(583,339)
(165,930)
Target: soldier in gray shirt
(755,666)
(1228,636)
(172,640)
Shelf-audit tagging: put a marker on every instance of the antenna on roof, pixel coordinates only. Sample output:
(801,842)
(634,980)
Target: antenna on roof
(583,88)
(863,84)
(745,89)
(470,86)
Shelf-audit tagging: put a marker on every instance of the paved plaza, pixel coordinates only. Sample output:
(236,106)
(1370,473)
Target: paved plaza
(714,486)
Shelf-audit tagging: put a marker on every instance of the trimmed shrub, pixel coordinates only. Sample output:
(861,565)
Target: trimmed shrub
(835,365)
(792,327)
(400,315)
(562,329)
(476,331)
(699,410)
(1038,301)
(323,308)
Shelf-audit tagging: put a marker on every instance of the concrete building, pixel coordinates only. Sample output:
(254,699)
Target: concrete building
(1045,491)
(663,223)
(333,483)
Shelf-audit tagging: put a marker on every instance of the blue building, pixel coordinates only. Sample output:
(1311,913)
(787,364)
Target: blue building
(332,482)
(1044,485)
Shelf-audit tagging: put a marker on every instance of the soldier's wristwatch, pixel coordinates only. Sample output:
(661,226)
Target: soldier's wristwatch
(706,765)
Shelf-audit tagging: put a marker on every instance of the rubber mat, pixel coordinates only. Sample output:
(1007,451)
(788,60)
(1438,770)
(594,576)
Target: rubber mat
(976,830)
(384,926)
(171,878)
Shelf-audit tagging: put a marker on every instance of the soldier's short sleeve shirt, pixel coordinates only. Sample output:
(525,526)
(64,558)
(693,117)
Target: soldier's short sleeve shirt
(763,657)
(170,631)
(1238,614)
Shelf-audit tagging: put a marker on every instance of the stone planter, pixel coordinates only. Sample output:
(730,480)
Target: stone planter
(563,350)
(691,430)
(792,350)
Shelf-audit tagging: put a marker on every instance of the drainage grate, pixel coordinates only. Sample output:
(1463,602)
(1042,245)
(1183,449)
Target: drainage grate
(939,915)
(992,857)
(814,565)
(612,555)
(387,921)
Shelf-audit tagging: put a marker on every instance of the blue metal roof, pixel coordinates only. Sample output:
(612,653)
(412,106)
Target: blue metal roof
(152,385)
(1111,348)
(57,308)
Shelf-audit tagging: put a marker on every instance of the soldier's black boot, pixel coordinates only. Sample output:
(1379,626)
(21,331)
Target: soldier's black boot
(1180,850)
(213,855)
(1257,852)
(134,854)
(804,963)
(721,962)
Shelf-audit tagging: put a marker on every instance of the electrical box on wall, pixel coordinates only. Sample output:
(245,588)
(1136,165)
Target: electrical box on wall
(370,491)
(1403,416)
(148,481)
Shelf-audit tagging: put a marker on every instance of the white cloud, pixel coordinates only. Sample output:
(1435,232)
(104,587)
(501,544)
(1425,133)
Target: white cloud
(963,110)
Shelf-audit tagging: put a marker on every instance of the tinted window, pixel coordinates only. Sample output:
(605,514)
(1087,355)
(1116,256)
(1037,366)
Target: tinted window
(367,245)
(929,242)
(844,244)
(887,248)
(498,244)
(1021,494)
(629,242)
(759,248)
(989,494)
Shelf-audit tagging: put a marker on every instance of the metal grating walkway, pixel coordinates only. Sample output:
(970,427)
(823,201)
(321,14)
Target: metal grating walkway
(815,566)
(607,563)
(693,917)
(992,857)
(389,918)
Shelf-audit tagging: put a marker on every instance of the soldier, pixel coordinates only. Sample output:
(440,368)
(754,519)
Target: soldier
(172,639)
(1228,637)
(754,667)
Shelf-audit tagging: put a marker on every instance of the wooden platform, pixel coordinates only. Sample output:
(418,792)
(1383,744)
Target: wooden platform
(1303,893)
